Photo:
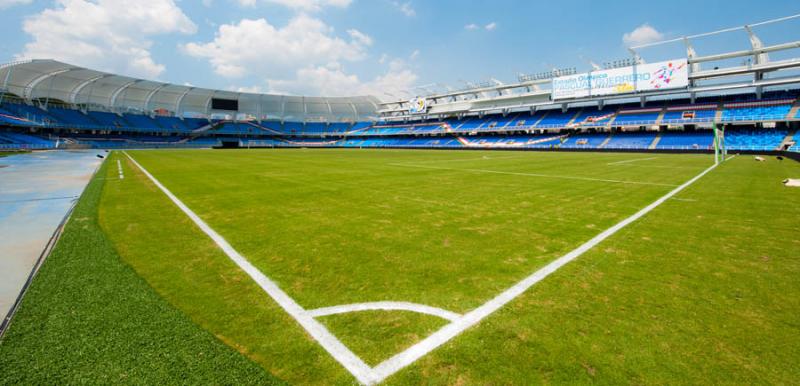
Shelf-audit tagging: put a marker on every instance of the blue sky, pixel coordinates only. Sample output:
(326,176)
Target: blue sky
(346,47)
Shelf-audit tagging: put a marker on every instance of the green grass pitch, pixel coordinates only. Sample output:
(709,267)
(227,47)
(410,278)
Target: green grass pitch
(702,289)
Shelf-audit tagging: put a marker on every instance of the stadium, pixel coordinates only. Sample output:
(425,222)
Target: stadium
(633,222)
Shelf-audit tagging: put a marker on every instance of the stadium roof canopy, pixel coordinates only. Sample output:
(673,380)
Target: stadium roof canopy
(50,80)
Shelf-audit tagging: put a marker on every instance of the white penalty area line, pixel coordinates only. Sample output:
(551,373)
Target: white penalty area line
(119,168)
(328,341)
(631,160)
(533,175)
(450,331)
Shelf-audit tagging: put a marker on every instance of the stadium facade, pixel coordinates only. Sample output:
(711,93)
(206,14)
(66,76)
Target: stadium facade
(671,105)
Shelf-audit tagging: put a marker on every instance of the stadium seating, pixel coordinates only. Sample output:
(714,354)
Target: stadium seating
(690,114)
(750,139)
(13,141)
(691,140)
(756,111)
(638,140)
(556,118)
(72,117)
(584,141)
(143,122)
(108,120)
(637,117)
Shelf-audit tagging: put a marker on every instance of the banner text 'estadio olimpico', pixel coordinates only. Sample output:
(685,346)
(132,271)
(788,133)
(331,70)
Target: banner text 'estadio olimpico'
(643,77)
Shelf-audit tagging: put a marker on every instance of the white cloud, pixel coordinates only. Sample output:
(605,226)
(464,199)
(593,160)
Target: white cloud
(332,80)
(207,3)
(491,26)
(111,35)
(360,37)
(11,3)
(643,34)
(257,47)
(404,7)
(414,55)
(304,57)
(301,5)
(471,27)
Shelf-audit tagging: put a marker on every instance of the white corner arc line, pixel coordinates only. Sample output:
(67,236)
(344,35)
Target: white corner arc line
(450,331)
(385,306)
(631,160)
(533,175)
(328,341)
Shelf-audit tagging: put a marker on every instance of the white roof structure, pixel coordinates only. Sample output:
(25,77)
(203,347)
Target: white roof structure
(50,80)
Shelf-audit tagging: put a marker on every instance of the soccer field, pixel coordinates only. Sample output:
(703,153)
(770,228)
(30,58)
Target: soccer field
(471,267)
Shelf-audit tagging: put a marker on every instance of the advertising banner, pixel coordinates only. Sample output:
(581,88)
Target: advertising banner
(643,77)
(418,105)
(663,75)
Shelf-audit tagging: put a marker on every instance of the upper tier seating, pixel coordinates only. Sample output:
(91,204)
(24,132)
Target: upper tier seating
(555,118)
(690,114)
(637,117)
(72,117)
(141,121)
(105,119)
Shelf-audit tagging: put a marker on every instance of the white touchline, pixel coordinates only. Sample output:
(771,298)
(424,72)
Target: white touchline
(533,175)
(484,158)
(630,160)
(421,348)
(119,168)
(385,306)
(459,323)
(330,343)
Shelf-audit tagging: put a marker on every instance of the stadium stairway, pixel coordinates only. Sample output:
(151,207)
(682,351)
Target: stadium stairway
(612,119)
(655,142)
(574,117)
(540,119)
(661,116)
(605,141)
(788,141)
(720,110)
(793,111)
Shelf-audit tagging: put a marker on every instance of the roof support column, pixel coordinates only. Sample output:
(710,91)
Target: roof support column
(758,58)
(180,100)
(150,96)
(112,100)
(5,83)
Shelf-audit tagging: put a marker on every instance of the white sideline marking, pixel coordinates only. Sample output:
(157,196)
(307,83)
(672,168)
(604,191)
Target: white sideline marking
(630,160)
(405,358)
(119,168)
(533,175)
(385,306)
(338,351)
(484,158)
